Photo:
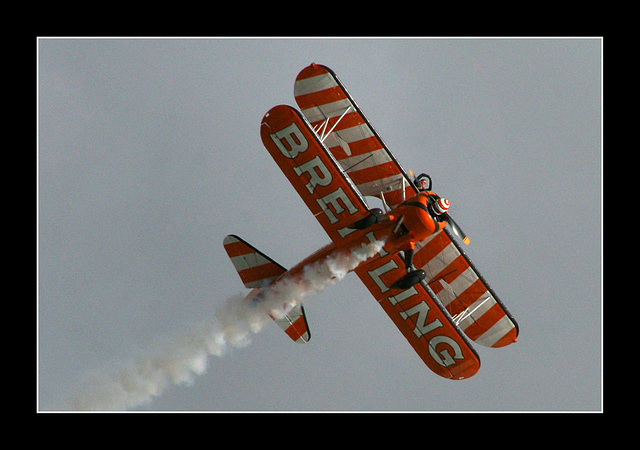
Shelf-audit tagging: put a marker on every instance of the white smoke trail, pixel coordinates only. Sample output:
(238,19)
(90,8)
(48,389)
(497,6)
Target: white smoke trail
(137,382)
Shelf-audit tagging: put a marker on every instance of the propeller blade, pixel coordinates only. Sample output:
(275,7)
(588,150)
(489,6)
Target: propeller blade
(457,230)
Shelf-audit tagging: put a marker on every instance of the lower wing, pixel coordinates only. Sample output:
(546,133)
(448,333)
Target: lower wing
(423,321)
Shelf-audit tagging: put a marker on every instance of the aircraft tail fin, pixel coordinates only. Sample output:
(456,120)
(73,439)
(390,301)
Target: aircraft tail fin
(257,271)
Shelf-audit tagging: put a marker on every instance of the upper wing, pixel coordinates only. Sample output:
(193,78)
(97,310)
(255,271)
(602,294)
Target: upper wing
(312,171)
(421,318)
(465,294)
(353,142)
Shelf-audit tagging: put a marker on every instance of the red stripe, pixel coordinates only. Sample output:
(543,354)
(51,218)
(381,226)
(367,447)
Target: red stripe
(238,248)
(258,273)
(360,147)
(473,293)
(481,324)
(322,97)
(374,173)
(350,120)
(297,329)
(431,249)
(507,339)
(311,71)
(465,299)
(451,272)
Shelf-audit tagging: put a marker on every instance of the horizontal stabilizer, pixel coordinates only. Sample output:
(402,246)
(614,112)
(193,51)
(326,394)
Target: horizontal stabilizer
(257,271)
(295,325)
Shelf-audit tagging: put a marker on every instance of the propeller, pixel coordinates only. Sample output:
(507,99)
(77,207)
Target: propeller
(456,229)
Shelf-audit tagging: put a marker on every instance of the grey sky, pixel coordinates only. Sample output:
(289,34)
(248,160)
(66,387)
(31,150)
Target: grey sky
(149,154)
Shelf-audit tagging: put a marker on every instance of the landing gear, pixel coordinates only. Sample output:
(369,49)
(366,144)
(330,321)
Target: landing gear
(408,259)
(374,217)
(413,276)
(410,279)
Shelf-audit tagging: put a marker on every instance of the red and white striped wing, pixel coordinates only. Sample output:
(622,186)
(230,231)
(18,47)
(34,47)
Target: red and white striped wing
(464,292)
(353,142)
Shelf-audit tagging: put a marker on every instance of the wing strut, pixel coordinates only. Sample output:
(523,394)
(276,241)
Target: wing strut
(404,195)
(384,202)
(466,313)
(323,125)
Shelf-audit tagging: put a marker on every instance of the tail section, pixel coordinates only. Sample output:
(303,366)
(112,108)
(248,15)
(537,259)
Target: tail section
(257,271)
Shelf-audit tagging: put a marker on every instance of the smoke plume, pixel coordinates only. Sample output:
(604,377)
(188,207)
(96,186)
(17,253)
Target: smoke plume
(137,382)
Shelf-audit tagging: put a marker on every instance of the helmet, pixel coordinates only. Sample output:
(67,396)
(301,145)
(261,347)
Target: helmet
(423,182)
(441,206)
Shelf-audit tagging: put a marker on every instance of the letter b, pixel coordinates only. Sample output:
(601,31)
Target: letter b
(294,139)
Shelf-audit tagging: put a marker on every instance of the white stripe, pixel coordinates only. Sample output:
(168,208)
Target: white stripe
(295,313)
(229,240)
(439,262)
(476,310)
(392,183)
(322,112)
(352,134)
(366,160)
(496,332)
(259,283)
(248,261)
(463,281)
(419,245)
(314,84)
(289,319)
(447,294)
(454,289)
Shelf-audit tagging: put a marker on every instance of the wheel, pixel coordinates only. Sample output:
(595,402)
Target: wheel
(410,279)
(371,219)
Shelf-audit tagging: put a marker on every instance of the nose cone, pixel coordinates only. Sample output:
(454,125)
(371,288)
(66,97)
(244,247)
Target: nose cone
(441,206)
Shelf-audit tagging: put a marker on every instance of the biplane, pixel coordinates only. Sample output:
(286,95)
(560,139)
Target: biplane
(421,277)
